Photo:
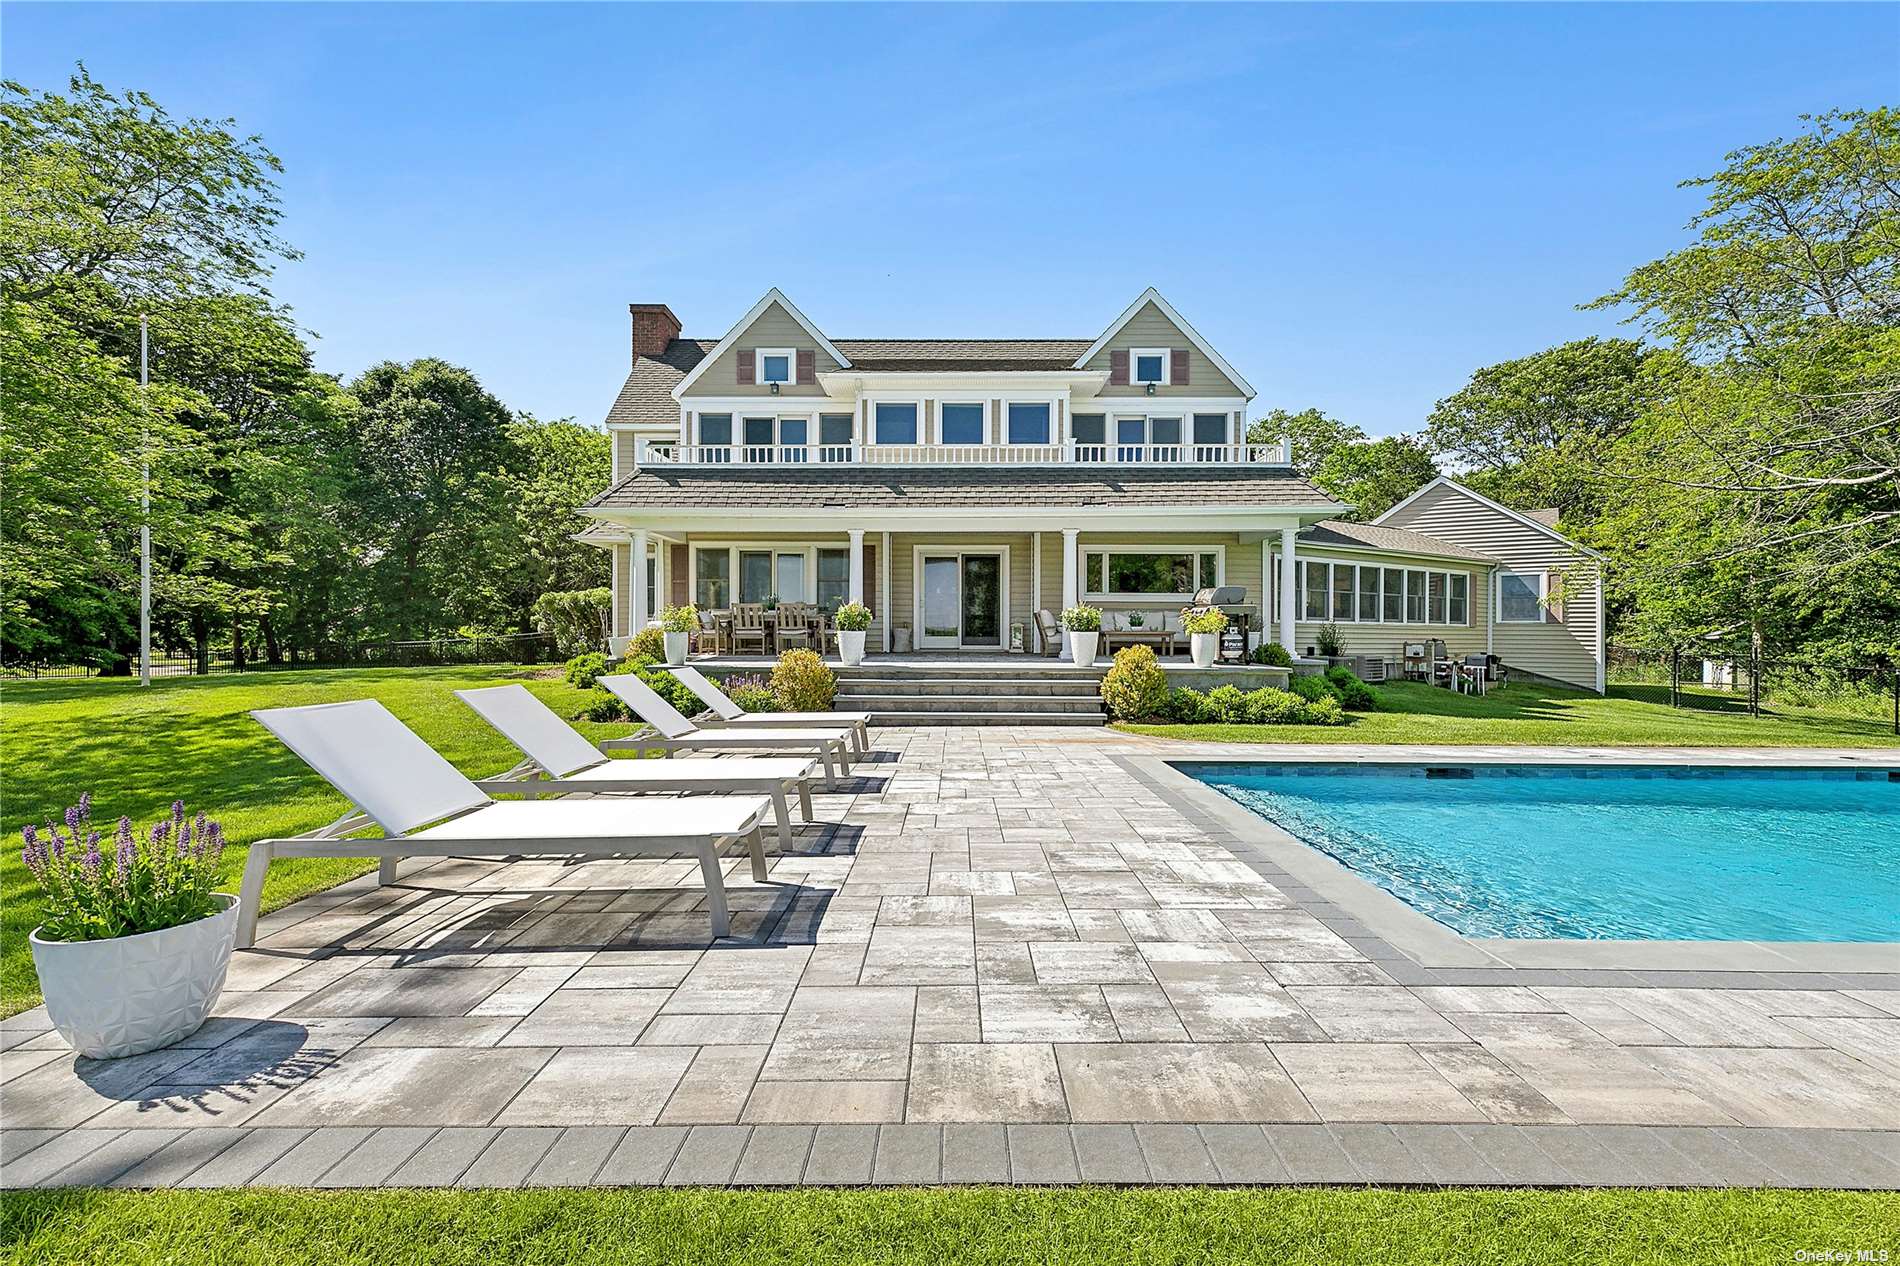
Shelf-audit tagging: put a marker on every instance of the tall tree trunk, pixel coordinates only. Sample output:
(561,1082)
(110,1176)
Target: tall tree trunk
(201,643)
(237,644)
(273,649)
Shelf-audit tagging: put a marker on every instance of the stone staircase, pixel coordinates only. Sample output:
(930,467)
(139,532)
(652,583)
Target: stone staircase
(952,694)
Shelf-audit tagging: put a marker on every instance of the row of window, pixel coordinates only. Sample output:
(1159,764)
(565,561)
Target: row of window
(964,423)
(1352,593)
(771,573)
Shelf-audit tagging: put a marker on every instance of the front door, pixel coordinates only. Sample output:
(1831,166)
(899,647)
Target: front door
(962,601)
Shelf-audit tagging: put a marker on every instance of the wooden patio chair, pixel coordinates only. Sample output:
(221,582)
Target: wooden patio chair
(748,626)
(794,626)
(708,634)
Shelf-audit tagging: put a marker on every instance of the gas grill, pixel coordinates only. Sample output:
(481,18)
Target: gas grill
(1231,600)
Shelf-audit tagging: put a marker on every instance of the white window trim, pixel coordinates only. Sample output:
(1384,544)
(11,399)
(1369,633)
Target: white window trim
(982,402)
(791,365)
(1405,595)
(1005,552)
(1167,366)
(1055,421)
(1220,569)
(1543,595)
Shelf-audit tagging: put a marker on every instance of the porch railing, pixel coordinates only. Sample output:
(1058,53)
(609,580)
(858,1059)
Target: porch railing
(670,453)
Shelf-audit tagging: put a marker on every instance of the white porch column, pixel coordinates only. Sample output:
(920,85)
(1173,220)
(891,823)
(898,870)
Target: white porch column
(857,565)
(638,571)
(1071,591)
(884,588)
(1289,588)
(1035,590)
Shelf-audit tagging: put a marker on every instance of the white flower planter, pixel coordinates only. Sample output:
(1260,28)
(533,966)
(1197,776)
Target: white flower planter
(1205,647)
(1083,646)
(675,647)
(851,646)
(132,994)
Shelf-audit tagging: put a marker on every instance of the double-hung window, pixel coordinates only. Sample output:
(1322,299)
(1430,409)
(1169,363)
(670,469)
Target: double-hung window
(1392,600)
(1313,605)
(960,422)
(894,423)
(1344,592)
(1415,597)
(1521,597)
(1028,424)
(1369,593)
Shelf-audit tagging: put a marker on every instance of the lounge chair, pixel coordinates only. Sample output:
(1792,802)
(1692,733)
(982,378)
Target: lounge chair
(402,785)
(725,712)
(572,764)
(1049,629)
(674,733)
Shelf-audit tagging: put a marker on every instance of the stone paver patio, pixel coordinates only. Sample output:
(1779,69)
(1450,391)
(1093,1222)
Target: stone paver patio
(1004,955)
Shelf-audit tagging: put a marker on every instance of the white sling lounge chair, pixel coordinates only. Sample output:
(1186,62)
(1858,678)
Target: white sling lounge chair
(726,712)
(674,733)
(572,764)
(401,784)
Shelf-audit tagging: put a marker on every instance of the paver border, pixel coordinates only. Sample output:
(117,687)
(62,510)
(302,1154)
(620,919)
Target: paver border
(1430,944)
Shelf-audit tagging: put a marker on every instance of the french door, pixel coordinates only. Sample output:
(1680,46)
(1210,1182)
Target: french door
(960,600)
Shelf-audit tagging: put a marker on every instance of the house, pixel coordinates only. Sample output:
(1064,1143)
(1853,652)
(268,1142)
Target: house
(957,486)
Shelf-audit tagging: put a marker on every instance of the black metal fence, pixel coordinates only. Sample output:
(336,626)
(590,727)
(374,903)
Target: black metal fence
(507,648)
(1721,680)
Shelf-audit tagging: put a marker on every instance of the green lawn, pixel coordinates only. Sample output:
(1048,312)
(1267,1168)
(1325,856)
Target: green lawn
(189,738)
(979,1225)
(1520,713)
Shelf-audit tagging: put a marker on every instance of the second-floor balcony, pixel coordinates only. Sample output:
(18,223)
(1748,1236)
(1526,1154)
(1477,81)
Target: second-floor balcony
(671,453)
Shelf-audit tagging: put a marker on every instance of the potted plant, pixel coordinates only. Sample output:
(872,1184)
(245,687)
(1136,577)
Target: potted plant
(1327,638)
(677,624)
(853,619)
(1085,633)
(1204,629)
(135,943)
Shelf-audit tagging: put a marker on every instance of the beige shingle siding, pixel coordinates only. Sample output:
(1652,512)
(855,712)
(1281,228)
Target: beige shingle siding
(1150,327)
(1569,651)
(775,327)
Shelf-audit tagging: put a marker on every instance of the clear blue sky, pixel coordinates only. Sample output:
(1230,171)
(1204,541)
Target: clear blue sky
(1359,205)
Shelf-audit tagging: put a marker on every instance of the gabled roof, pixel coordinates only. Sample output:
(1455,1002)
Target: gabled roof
(1342,534)
(772,296)
(1517,516)
(1151,295)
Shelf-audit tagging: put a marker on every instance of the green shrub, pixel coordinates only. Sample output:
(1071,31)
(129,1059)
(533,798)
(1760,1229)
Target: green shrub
(1325,712)
(647,644)
(853,617)
(664,684)
(1082,619)
(1187,707)
(1327,639)
(1135,687)
(680,619)
(1227,704)
(802,682)
(576,618)
(603,705)
(582,669)
(1209,621)
(1354,694)
(1312,688)
(1272,653)
(1270,705)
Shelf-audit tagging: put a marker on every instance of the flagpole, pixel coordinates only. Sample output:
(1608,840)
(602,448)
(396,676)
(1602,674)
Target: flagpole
(145,513)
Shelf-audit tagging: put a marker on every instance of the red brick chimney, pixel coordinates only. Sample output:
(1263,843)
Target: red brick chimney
(654,326)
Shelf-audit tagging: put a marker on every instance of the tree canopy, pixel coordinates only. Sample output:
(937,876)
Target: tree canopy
(1370,476)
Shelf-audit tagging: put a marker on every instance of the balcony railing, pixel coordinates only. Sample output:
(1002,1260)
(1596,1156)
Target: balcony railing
(668,453)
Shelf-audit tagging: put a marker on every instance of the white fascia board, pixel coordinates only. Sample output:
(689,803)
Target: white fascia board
(1151,295)
(1448,482)
(772,296)
(834,519)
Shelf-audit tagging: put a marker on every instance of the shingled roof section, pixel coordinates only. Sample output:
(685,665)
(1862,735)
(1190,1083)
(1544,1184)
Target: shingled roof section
(647,395)
(1339,532)
(951,355)
(950,487)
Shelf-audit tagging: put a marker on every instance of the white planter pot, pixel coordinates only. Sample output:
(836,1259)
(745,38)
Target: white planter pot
(851,646)
(1205,647)
(1083,646)
(675,647)
(133,994)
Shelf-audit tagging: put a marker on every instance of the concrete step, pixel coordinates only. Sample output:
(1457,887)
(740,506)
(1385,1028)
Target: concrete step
(1074,688)
(926,704)
(951,672)
(988,718)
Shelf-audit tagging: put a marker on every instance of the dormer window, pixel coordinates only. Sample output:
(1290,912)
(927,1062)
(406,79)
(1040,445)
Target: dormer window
(774,364)
(1149,365)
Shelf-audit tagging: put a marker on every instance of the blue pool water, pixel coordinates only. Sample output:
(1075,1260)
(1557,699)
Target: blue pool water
(1570,852)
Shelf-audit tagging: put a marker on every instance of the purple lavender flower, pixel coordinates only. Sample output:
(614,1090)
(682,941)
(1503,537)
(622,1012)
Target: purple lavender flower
(210,841)
(34,855)
(59,843)
(127,850)
(93,859)
(73,818)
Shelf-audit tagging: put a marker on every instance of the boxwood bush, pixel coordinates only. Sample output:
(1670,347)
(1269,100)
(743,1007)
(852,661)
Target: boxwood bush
(1135,688)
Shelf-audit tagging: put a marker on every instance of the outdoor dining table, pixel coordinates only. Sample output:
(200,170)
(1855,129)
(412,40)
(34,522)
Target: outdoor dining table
(820,626)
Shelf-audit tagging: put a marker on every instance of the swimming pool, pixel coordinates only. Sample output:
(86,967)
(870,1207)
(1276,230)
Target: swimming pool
(1627,853)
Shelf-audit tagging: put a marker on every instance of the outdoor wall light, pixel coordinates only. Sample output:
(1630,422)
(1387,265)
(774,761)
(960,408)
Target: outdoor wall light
(775,389)
(1151,389)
